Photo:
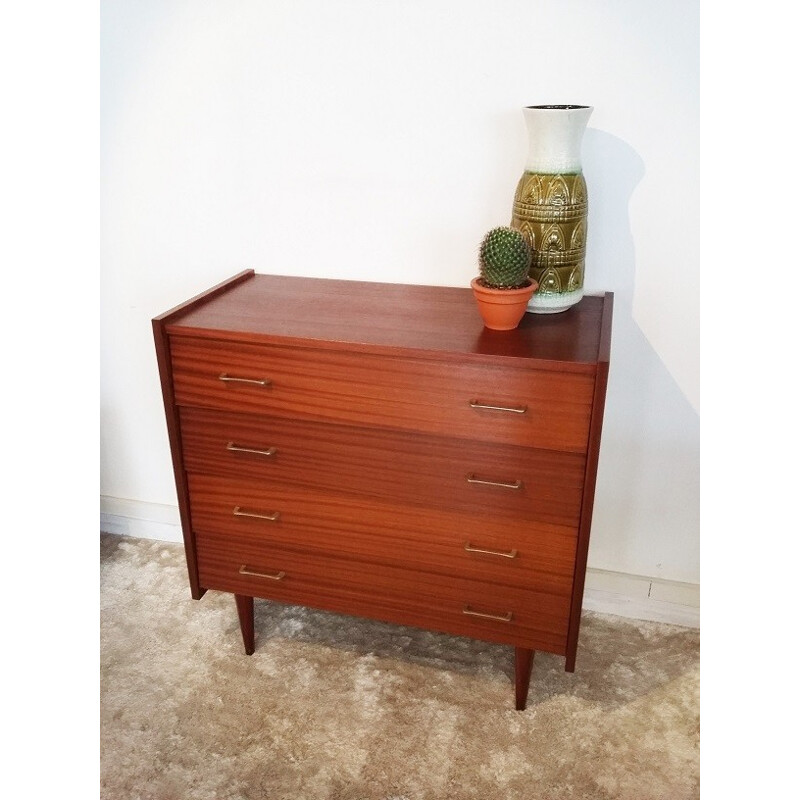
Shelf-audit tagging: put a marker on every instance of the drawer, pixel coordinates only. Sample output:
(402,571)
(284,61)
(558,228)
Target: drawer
(458,474)
(244,517)
(509,405)
(459,606)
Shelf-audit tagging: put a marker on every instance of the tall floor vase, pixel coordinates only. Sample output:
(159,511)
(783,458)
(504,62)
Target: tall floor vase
(551,205)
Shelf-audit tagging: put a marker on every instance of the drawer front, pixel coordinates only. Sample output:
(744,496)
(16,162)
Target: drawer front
(469,476)
(533,408)
(236,515)
(459,606)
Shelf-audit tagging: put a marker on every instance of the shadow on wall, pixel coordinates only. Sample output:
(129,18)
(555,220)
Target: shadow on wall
(646,516)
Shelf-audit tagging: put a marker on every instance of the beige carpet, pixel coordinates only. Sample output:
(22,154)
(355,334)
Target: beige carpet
(335,708)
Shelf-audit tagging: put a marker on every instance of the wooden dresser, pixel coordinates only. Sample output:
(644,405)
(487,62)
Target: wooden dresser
(372,449)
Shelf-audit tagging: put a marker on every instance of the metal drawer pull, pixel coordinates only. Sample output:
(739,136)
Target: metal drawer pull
(516,485)
(273,517)
(470,549)
(512,409)
(234,448)
(276,577)
(505,618)
(256,381)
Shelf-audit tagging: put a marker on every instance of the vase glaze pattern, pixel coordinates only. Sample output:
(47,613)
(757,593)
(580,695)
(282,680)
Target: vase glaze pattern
(551,205)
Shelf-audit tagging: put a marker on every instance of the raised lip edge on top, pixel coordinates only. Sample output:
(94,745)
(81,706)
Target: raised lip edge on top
(557,108)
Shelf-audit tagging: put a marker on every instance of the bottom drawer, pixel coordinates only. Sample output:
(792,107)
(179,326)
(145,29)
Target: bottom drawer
(494,613)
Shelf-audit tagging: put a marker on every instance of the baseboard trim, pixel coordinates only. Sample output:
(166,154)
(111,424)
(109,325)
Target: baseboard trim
(607,592)
(142,520)
(642,597)
(634,608)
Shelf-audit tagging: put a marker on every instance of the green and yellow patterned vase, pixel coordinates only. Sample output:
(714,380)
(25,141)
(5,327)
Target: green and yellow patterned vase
(551,205)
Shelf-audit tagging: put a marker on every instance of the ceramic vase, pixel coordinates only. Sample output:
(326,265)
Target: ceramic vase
(551,205)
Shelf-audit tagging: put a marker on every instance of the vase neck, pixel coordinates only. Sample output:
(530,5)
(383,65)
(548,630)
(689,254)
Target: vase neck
(554,138)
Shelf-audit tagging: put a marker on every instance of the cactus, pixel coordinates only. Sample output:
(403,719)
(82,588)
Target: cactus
(505,258)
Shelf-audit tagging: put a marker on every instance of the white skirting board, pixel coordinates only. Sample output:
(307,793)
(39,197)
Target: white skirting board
(632,596)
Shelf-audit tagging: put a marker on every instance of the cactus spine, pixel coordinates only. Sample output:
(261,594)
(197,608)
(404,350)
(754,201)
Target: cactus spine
(505,258)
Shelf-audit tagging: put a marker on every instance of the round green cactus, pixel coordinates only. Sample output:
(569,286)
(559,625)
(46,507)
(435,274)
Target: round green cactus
(505,259)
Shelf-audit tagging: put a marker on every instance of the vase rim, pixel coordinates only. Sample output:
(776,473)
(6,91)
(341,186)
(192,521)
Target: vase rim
(556,108)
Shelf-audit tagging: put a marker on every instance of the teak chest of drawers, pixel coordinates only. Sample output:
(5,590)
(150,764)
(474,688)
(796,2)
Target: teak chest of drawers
(372,449)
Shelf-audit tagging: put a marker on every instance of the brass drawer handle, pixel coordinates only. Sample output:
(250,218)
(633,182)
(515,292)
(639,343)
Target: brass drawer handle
(516,485)
(504,618)
(512,409)
(235,448)
(256,381)
(273,517)
(470,549)
(279,576)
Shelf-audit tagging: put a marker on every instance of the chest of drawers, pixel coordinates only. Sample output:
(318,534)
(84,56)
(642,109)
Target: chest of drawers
(371,449)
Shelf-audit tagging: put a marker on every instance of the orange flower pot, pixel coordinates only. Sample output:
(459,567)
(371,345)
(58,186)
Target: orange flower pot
(502,309)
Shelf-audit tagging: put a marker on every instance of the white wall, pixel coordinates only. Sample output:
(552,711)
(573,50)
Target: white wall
(378,141)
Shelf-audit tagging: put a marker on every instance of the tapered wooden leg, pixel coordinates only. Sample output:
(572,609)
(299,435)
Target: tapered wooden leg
(244,607)
(524,665)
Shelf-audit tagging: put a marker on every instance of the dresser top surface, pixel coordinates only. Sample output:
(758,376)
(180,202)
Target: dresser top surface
(363,316)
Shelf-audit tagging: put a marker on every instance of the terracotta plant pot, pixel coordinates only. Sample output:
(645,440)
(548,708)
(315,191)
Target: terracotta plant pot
(502,309)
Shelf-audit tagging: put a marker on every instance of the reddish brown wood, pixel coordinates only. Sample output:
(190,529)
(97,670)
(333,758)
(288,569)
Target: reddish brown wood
(428,471)
(387,593)
(194,304)
(354,316)
(164,356)
(595,431)
(244,608)
(523,664)
(173,431)
(415,395)
(412,537)
(368,409)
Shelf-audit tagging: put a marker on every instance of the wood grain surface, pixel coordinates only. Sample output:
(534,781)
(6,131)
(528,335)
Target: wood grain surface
(389,593)
(356,316)
(393,465)
(590,479)
(356,528)
(341,463)
(164,358)
(387,392)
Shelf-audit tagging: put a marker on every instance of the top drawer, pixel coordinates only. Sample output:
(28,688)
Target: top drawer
(536,408)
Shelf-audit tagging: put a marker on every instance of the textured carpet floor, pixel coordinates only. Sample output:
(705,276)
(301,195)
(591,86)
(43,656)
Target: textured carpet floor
(335,708)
